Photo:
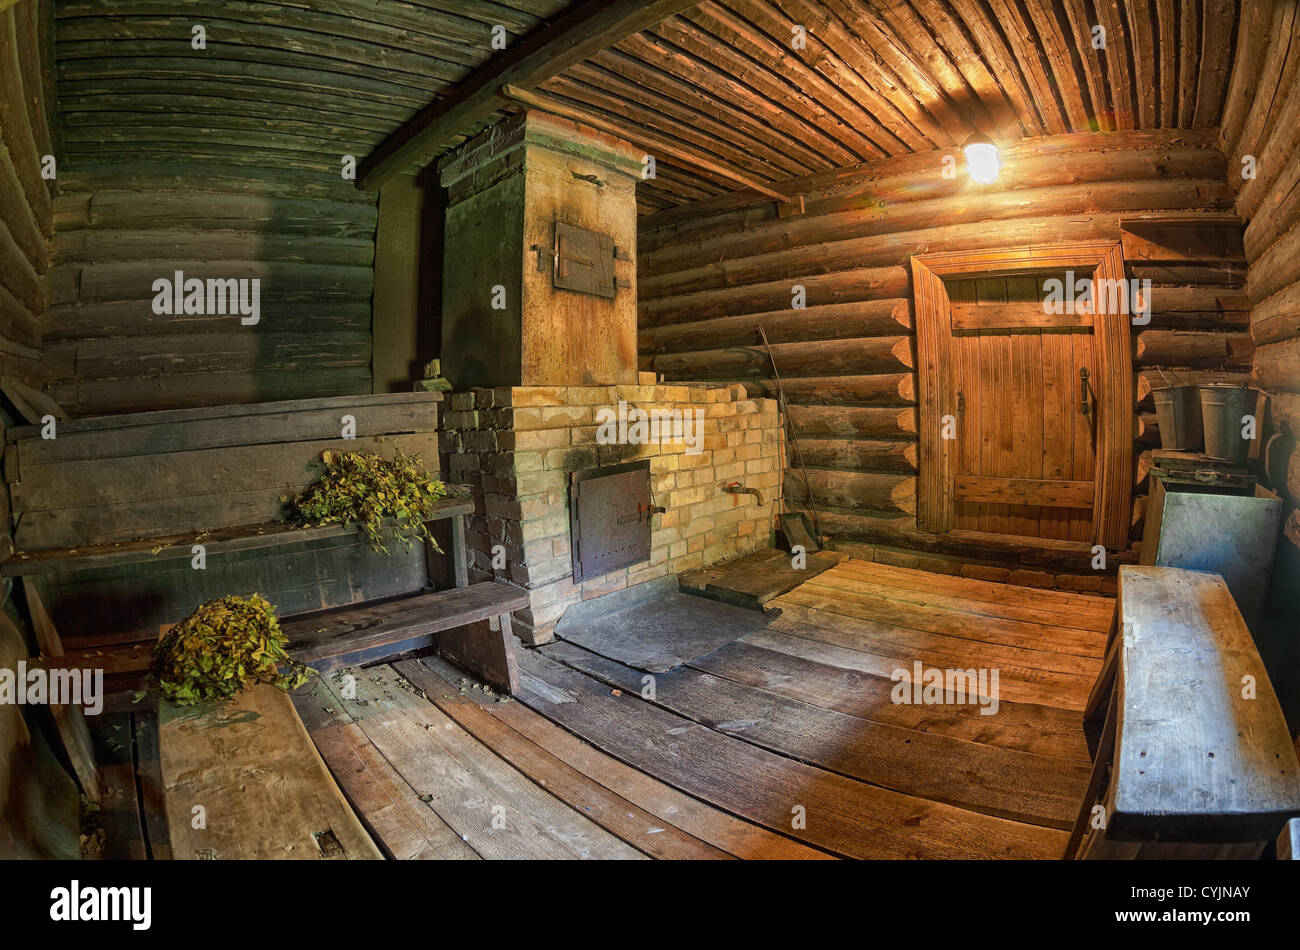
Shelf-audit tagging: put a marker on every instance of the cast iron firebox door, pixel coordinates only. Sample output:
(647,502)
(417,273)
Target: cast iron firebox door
(609,513)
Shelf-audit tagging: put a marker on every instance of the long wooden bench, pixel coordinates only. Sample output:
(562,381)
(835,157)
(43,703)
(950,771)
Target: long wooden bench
(107,516)
(1193,758)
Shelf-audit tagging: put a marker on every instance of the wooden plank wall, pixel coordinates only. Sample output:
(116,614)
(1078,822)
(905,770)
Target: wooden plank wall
(307,236)
(26,215)
(710,272)
(1262,119)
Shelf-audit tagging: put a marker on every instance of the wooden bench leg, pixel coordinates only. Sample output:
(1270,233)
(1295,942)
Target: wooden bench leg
(1100,767)
(488,654)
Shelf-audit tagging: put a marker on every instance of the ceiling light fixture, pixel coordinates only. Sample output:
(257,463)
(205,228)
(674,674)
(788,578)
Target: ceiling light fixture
(981,158)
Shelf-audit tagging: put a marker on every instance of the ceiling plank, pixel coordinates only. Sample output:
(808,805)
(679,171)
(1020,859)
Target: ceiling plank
(546,52)
(648,140)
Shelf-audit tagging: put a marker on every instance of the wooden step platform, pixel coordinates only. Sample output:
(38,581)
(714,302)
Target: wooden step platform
(347,636)
(757,578)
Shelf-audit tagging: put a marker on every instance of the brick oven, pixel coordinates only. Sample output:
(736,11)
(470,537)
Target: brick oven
(540,346)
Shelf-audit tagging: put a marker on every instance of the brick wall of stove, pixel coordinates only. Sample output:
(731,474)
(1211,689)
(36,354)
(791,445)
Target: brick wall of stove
(515,448)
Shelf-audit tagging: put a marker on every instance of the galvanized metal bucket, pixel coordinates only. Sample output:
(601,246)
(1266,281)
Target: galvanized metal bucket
(1178,413)
(1222,409)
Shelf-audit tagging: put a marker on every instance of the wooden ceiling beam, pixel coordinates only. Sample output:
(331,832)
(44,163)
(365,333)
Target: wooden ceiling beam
(578,33)
(648,140)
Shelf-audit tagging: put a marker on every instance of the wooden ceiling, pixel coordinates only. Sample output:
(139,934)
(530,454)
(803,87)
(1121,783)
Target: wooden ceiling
(296,83)
(283,84)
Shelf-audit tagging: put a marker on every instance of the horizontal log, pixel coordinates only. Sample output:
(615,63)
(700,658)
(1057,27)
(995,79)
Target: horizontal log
(856,455)
(1277,366)
(1029,163)
(164,211)
(828,322)
(1183,243)
(1227,276)
(876,218)
(200,353)
(18,274)
(888,389)
(1277,318)
(853,490)
(89,397)
(883,250)
(1177,298)
(1275,269)
(1146,429)
(136,318)
(114,246)
(18,324)
(858,284)
(101,283)
(16,213)
(214,180)
(1277,215)
(831,357)
(1193,348)
(823,422)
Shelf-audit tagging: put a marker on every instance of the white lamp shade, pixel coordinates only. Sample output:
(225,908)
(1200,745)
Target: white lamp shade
(982,161)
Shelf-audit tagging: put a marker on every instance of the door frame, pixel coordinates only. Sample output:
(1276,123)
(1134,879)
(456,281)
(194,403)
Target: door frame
(1113,384)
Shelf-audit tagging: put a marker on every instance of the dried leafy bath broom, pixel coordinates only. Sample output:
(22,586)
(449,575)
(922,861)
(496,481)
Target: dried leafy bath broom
(223,646)
(364,488)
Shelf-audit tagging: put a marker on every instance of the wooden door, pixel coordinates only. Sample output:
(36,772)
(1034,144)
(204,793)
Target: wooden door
(1012,441)
(1024,458)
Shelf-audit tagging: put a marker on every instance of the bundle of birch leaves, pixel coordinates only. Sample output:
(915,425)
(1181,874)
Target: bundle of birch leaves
(367,489)
(222,647)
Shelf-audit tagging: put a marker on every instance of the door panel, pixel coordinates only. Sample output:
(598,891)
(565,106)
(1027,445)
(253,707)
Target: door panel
(1025,459)
(1023,453)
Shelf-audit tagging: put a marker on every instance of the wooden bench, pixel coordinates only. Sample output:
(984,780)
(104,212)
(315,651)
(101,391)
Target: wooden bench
(263,790)
(106,517)
(1193,758)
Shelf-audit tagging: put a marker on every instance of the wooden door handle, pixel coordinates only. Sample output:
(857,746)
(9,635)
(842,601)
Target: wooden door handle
(1085,392)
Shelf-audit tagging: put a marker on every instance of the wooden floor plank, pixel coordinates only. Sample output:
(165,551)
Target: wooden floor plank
(1097,607)
(857,645)
(607,809)
(839,814)
(889,638)
(932,589)
(1013,633)
(1041,730)
(719,828)
(1006,783)
(495,809)
(405,827)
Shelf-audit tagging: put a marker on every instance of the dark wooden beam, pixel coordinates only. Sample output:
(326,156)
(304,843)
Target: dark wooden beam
(581,31)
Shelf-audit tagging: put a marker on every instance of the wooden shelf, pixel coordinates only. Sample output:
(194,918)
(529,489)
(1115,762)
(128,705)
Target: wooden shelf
(225,540)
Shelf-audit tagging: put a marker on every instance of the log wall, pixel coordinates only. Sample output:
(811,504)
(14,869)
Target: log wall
(308,237)
(709,273)
(1262,120)
(26,213)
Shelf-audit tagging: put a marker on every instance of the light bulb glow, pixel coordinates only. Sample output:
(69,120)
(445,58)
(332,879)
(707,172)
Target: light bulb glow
(982,162)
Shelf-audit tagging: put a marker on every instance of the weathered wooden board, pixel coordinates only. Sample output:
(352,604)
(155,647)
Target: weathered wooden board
(262,787)
(492,806)
(1204,753)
